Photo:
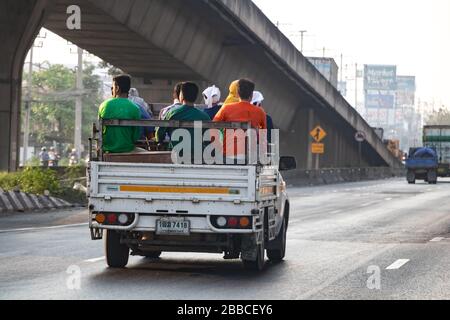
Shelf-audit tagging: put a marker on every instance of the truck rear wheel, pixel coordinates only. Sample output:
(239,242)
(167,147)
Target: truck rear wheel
(432,177)
(258,264)
(411,177)
(117,254)
(277,254)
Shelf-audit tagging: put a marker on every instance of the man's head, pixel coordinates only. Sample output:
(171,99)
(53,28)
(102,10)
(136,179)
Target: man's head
(121,86)
(189,93)
(177,92)
(245,90)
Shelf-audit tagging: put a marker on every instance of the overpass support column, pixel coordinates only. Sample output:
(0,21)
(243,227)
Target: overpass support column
(20,22)
(311,165)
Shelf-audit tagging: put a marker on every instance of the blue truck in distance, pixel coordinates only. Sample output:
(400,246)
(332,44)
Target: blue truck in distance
(433,160)
(422,164)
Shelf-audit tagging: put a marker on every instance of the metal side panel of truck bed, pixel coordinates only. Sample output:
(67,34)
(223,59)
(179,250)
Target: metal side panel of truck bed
(178,189)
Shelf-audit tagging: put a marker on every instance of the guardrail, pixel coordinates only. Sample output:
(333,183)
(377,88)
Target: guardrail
(341,175)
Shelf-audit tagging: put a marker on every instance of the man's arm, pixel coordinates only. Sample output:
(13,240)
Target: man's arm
(160,133)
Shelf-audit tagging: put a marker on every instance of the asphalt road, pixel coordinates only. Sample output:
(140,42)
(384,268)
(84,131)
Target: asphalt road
(370,240)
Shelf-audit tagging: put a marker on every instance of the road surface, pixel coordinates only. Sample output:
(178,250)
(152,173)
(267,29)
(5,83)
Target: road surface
(369,240)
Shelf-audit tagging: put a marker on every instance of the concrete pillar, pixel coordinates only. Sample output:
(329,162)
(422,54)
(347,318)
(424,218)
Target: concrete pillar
(20,22)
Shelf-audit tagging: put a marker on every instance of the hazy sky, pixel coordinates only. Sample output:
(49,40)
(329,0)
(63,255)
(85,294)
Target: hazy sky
(413,34)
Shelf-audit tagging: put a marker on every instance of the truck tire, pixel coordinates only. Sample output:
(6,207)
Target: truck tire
(258,264)
(277,255)
(153,254)
(411,177)
(432,177)
(117,254)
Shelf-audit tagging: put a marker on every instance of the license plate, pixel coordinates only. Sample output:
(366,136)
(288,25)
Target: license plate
(173,226)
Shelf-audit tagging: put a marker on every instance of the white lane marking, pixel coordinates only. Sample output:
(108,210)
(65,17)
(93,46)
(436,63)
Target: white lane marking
(398,264)
(44,228)
(336,211)
(366,204)
(95,260)
(388,199)
(438,239)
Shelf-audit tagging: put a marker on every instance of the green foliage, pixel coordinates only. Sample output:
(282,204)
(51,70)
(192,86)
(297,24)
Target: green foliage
(31,180)
(53,108)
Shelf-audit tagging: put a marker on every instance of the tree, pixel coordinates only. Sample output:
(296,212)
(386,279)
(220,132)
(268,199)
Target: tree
(442,117)
(53,103)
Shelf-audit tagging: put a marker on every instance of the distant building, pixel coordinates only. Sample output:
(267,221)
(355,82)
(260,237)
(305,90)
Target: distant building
(327,67)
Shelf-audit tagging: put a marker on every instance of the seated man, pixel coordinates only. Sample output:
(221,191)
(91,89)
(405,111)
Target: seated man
(185,112)
(243,111)
(120,139)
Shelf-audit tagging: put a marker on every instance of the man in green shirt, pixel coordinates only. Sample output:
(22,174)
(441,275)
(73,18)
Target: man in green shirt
(120,139)
(184,112)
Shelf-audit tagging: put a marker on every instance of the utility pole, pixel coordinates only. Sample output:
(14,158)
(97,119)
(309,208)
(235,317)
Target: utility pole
(356,86)
(79,104)
(26,131)
(302,34)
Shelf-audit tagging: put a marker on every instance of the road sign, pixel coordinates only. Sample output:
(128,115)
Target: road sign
(318,134)
(318,148)
(360,136)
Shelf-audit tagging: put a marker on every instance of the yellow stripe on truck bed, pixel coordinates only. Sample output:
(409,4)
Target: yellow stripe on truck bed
(160,189)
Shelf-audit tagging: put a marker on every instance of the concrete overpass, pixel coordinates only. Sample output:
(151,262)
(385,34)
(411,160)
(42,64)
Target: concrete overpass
(213,41)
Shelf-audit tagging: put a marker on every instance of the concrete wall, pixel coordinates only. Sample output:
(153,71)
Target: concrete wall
(19,23)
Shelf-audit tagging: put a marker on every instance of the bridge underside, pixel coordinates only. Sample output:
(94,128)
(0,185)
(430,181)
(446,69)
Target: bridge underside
(213,42)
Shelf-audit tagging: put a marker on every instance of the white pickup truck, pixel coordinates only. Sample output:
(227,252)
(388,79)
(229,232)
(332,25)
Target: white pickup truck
(145,204)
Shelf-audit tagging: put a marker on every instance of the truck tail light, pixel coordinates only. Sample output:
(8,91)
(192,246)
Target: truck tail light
(100,218)
(244,222)
(123,219)
(233,222)
(111,218)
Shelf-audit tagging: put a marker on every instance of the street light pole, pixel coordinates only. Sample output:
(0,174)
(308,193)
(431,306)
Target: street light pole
(302,33)
(79,105)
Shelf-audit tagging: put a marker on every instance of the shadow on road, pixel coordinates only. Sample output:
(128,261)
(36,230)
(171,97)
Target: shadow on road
(159,270)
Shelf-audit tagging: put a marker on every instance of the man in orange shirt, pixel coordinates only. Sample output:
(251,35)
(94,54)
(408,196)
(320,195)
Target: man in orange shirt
(242,111)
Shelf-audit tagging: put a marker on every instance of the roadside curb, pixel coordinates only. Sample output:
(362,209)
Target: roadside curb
(17,201)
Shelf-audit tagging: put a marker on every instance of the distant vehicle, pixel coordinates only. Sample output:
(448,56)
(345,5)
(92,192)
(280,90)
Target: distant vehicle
(422,164)
(438,138)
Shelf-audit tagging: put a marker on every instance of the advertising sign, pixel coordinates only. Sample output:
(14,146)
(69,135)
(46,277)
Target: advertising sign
(406,91)
(380,77)
(380,100)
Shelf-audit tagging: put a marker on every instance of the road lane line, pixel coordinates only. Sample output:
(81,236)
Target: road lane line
(439,239)
(388,199)
(367,204)
(95,260)
(44,228)
(398,264)
(336,212)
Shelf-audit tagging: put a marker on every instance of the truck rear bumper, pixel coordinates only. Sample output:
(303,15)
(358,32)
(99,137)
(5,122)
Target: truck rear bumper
(198,224)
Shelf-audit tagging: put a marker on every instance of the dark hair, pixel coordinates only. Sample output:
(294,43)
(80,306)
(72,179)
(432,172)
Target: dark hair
(245,89)
(123,81)
(177,90)
(190,91)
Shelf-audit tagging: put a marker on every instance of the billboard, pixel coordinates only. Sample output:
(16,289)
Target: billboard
(380,99)
(380,77)
(406,91)
(380,85)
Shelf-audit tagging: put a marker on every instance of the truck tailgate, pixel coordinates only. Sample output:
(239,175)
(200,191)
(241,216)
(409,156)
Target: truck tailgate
(152,182)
